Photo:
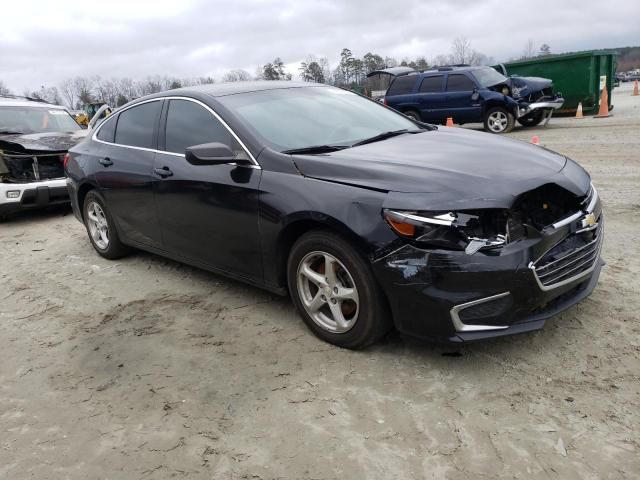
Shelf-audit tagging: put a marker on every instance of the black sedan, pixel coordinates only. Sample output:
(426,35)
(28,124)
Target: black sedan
(367,218)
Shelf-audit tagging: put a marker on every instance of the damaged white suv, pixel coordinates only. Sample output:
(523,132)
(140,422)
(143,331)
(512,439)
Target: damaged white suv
(34,138)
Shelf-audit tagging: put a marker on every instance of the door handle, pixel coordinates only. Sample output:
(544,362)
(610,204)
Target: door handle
(105,162)
(163,172)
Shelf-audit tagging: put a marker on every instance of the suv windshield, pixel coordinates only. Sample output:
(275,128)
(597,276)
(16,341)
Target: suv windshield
(294,118)
(488,77)
(36,120)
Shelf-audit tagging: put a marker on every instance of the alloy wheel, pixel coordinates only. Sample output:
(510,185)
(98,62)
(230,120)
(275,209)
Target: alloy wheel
(497,121)
(328,292)
(98,225)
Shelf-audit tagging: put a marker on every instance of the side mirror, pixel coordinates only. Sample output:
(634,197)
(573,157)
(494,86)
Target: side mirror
(209,154)
(475,95)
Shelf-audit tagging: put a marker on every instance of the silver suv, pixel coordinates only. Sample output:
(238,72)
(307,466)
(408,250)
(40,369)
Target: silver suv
(34,138)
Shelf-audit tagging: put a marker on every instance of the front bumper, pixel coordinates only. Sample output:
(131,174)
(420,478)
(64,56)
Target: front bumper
(549,105)
(15,197)
(455,297)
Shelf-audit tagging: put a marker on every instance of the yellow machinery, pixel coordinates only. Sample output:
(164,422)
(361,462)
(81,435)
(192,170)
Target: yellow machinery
(90,110)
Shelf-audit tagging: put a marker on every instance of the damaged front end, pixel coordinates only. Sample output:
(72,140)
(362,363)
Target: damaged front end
(535,97)
(472,274)
(28,167)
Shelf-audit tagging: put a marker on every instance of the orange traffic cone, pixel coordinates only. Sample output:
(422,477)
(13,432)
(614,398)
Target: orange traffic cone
(603,112)
(579,111)
(449,122)
(535,140)
(635,89)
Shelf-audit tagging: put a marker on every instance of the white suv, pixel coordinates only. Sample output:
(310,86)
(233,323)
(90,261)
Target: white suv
(34,138)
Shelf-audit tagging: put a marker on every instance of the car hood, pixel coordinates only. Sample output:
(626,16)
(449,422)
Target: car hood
(525,86)
(41,142)
(448,165)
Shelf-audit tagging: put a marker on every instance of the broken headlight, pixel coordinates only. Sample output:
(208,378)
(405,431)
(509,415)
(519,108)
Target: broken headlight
(450,230)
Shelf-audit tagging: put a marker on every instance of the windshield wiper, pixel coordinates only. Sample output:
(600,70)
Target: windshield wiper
(316,149)
(10,132)
(384,136)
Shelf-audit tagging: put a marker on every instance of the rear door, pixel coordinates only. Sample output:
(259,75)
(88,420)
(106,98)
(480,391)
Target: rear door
(124,173)
(208,213)
(432,98)
(460,102)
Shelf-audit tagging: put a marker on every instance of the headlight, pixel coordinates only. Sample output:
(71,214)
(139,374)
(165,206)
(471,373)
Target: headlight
(449,230)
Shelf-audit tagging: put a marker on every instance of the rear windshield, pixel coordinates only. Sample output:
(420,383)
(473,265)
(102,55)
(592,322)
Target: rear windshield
(487,77)
(36,120)
(402,85)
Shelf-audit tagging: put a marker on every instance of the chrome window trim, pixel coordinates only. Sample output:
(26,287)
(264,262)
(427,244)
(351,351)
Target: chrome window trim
(460,326)
(94,137)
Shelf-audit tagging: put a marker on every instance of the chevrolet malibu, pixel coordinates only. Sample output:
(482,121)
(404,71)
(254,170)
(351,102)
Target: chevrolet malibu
(368,219)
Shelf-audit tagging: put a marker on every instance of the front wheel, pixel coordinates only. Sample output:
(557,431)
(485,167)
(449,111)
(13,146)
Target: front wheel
(334,290)
(498,120)
(531,119)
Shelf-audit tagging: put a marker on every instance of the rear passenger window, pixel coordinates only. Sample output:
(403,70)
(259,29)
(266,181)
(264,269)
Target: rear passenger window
(459,83)
(190,124)
(108,130)
(402,85)
(135,125)
(432,84)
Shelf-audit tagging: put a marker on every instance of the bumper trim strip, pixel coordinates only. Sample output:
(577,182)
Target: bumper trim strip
(460,326)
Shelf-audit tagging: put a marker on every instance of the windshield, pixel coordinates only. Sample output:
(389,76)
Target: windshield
(293,118)
(36,120)
(488,77)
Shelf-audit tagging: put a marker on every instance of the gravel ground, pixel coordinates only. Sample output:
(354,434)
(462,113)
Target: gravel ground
(146,368)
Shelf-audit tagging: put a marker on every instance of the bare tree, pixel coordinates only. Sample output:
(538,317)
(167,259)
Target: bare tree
(68,93)
(461,51)
(3,89)
(529,50)
(236,76)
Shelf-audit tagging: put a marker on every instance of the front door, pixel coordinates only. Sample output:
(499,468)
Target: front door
(460,99)
(208,213)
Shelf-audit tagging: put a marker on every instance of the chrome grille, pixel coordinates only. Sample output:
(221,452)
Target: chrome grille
(552,273)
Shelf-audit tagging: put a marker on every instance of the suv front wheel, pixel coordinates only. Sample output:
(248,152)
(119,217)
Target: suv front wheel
(498,120)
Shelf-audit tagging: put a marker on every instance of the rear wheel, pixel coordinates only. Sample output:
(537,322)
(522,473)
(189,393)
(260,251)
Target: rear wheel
(498,120)
(531,119)
(335,292)
(413,115)
(101,227)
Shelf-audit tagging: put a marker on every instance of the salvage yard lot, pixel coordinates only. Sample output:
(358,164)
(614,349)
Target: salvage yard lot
(146,368)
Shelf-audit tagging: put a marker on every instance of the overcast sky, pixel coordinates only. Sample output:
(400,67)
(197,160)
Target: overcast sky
(44,42)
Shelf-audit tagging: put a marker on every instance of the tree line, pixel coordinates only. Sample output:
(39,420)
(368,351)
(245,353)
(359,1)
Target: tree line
(351,71)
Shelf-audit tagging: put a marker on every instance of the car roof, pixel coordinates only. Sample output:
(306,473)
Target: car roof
(10,101)
(452,69)
(233,88)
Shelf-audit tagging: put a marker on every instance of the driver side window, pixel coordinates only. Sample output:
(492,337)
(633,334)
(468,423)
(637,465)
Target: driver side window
(190,124)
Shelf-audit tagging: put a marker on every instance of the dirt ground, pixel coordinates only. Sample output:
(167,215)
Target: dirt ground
(144,368)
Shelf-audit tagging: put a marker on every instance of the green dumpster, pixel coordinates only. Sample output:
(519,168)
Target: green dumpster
(576,75)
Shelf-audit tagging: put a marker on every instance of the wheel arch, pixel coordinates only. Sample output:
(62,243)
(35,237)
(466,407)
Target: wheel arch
(83,190)
(298,225)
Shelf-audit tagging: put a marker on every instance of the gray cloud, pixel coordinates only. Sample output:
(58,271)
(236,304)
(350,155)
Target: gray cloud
(46,42)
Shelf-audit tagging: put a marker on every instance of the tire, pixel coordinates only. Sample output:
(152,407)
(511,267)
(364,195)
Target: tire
(498,120)
(101,227)
(352,290)
(531,119)
(413,114)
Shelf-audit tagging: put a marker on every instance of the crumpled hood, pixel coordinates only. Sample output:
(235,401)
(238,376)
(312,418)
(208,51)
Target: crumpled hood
(41,142)
(450,164)
(524,86)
